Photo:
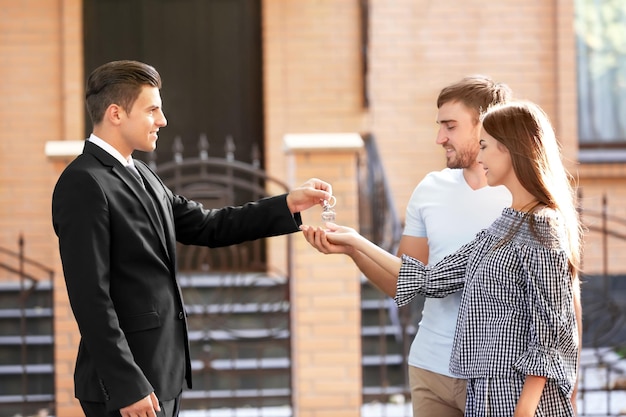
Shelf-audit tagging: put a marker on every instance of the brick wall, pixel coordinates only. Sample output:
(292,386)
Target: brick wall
(311,68)
(600,182)
(326,333)
(30,114)
(41,84)
(312,83)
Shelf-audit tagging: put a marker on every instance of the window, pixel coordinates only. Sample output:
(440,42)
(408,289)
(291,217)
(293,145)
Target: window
(600,27)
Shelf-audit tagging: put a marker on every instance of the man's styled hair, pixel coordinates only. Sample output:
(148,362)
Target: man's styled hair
(117,82)
(476,92)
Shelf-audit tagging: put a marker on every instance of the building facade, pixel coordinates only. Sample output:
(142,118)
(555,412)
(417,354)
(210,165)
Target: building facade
(328,66)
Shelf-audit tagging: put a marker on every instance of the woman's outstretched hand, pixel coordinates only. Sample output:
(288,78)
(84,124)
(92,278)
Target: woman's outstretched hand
(333,239)
(365,254)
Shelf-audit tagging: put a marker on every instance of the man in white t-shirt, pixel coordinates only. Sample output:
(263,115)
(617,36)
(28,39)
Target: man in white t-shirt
(447,209)
(444,213)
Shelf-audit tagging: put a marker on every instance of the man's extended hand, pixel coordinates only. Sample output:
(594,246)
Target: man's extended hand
(311,193)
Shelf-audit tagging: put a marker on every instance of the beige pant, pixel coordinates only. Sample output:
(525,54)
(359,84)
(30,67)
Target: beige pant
(434,394)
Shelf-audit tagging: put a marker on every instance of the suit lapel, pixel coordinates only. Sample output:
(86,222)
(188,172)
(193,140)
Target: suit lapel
(155,187)
(142,195)
(146,201)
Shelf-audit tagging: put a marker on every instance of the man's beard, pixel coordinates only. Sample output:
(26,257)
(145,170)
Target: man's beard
(461,160)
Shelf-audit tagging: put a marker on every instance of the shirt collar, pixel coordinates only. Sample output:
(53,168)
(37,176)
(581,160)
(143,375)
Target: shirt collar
(110,150)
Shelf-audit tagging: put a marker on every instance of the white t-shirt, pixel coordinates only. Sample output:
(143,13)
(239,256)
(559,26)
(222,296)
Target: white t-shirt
(446,210)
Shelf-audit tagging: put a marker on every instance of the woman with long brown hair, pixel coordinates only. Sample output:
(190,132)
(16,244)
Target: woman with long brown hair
(516,340)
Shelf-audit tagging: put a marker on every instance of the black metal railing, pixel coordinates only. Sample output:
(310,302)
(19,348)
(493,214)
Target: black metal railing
(386,331)
(27,341)
(602,382)
(379,220)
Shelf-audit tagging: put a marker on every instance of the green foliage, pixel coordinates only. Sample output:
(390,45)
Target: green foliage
(621,351)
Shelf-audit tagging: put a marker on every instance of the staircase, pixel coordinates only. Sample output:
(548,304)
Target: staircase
(240,341)
(26,336)
(386,335)
(27,362)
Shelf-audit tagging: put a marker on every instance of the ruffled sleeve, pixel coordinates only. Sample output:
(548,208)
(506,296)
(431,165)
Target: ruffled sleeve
(552,340)
(436,281)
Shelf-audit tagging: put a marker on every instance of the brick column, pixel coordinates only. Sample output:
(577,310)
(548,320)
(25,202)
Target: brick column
(325,291)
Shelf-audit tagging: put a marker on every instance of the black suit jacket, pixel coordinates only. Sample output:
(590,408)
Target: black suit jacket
(118,254)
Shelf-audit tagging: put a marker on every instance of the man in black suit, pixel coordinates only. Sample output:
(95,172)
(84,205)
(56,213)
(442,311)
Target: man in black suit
(117,225)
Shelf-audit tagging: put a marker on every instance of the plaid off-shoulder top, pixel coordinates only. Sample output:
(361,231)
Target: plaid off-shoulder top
(517,313)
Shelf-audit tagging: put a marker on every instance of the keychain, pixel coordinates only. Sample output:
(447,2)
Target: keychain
(328,215)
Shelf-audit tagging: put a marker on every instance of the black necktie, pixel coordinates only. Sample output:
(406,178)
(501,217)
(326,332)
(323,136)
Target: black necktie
(149,200)
(133,170)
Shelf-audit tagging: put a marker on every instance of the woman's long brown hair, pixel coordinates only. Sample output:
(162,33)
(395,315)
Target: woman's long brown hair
(525,130)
